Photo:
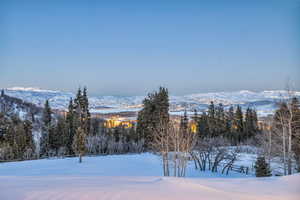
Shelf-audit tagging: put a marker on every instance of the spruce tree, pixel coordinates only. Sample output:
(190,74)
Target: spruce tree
(203,126)
(71,127)
(254,121)
(229,121)
(79,143)
(95,127)
(27,125)
(78,99)
(82,115)
(47,114)
(195,117)
(46,129)
(60,134)
(212,120)
(239,124)
(184,123)
(230,117)
(250,126)
(85,110)
(262,168)
(220,121)
(155,111)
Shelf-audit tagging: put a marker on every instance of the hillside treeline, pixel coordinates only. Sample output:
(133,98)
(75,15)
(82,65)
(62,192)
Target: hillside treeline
(28,132)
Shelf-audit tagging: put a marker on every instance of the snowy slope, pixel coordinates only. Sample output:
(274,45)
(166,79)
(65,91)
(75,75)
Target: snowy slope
(11,106)
(131,177)
(264,102)
(145,164)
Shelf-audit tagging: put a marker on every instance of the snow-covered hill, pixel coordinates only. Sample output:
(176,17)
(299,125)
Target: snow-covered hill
(132,177)
(264,102)
(12,105)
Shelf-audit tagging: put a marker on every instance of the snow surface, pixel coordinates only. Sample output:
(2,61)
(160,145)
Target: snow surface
(145,164)
(130,177)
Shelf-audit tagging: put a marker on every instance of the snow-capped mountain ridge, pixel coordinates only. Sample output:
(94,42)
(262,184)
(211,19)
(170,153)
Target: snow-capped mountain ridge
(264,101)
(33,89)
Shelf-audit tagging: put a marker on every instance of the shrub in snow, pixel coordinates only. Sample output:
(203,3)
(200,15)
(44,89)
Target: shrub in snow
(51,153)
(262,168)
(28,154)
(62,151)
(6,152)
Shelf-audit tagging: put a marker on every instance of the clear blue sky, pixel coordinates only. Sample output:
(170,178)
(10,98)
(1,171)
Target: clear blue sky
(132,47)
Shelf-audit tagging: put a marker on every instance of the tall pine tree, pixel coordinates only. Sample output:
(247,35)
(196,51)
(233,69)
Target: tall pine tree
(85,112)
(250,126)
(154,112)
(239,124)
(46,129)
(79,143)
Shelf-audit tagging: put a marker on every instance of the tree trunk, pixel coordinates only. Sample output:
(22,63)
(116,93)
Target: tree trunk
(80,158)
(269,147)
(284,150)
(290,148)
(167,166)
(175,165)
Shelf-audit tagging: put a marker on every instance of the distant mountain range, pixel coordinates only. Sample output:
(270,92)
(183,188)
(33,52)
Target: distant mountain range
(264,102)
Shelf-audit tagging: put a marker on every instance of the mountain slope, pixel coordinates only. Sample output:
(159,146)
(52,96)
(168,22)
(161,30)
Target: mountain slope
(12,105)
(264,102)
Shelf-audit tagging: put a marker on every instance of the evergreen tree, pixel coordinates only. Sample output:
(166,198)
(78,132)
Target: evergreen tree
(230,129)
(248,123)
(203,126)
(78,115)
(212,120)
(79,143)
(239,124)
(195,117)
(85,112)
(27,125)
(211,110)
(19,144)
(262,168)
(4,126)
(184,123)
(133,134)
(47,114)
(255,121)
(154,112)
(71,127)
(220,121)
(59,138)
(250,126)
(18,136)
(82,115)
(46,129)
(95,127)
(78,99)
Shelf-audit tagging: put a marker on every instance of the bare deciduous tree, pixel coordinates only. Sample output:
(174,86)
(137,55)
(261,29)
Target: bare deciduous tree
(212,153)
(182,143)
(283,139)
(161,143)
(174,145)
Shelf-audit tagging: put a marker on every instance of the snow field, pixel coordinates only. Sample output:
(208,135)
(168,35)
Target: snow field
(132,177)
